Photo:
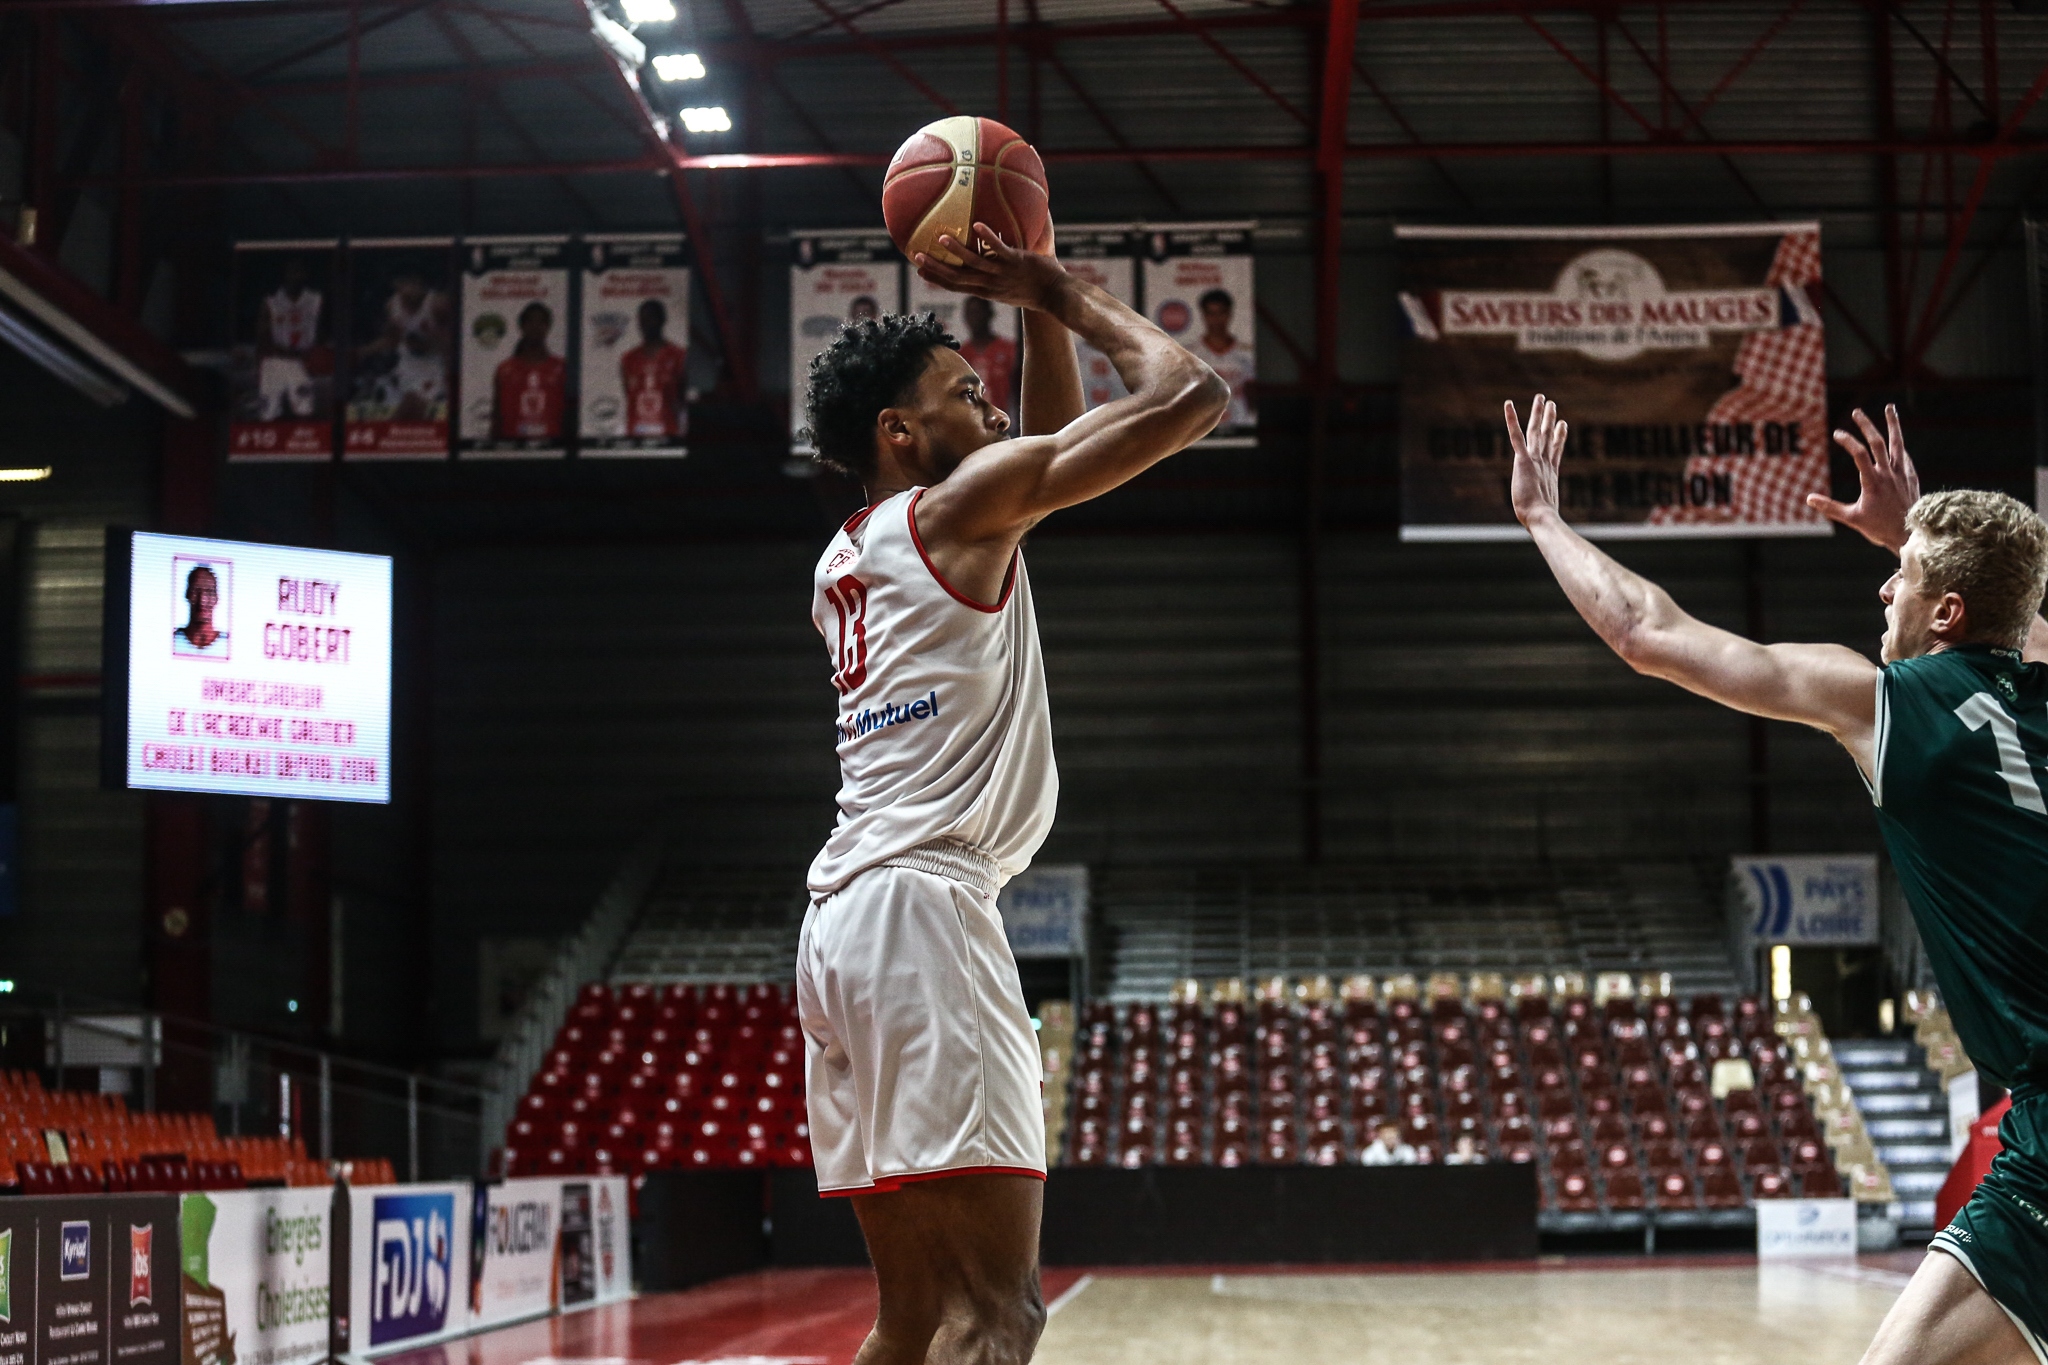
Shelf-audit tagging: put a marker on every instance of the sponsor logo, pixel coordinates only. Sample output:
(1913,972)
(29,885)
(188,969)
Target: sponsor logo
(1609,304)
(871,719)
(292,1237)
(412,1250)
(74,1251)
(140,1240)
(521,1229)
(2007,689)
(7,1275)
(1808,1216)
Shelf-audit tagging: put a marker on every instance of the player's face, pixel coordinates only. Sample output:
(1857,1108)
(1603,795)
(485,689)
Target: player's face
(202,591)
(1908,608)
(534,326)
(1216,318)
(951,414)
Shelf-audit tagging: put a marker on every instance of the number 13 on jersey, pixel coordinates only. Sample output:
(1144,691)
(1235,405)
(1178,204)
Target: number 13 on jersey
(849,598)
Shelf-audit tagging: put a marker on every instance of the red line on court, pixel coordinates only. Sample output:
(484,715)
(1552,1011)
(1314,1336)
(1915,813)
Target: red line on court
(819,1316)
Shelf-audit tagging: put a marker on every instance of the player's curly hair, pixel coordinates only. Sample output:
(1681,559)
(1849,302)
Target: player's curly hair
(1992,550)
(869,366)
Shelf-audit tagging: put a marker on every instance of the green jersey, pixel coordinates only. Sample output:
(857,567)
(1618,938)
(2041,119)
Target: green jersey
(1961,765)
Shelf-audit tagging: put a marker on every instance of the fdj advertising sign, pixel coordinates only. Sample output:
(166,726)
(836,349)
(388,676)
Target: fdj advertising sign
(1690,362)
(407,1250)
(1810,901)
(256,1276)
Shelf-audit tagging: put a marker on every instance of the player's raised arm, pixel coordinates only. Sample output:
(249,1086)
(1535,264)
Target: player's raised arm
(1827,686)
(1001,490)
(1050,394)
(1887,487)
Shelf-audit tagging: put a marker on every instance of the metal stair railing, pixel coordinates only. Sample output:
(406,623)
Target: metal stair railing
(586,956)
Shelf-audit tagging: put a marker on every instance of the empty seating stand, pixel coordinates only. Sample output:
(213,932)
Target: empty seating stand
(1611,1100)
(646,1077)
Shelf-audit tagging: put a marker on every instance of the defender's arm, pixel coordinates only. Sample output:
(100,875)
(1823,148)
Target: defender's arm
(1000,491)
(1826,686)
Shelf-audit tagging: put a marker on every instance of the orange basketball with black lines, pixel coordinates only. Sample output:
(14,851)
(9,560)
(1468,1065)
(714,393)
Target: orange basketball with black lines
(960,171)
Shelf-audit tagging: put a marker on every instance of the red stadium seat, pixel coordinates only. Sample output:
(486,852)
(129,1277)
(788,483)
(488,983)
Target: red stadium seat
(1820,1183)
(1759,1152)
(1702,1126)
(1719,1189)
(1617,1156)
(1771,1182)
(1663,1156)
(1674,1190)
(1568,1156)
(1712,1154)
(1575,1193)
(1608,1128)
(1624,1190)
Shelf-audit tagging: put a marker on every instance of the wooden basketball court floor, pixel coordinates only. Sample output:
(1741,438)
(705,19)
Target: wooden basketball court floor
(1583,1311)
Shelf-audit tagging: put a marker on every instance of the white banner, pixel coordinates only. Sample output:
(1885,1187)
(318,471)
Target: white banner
(408,1265)
(1810,901)
(255,1271)
(633,370)
(512,1251)
(1106,257)
(1787,1228)
(834,278)
(1045,911)
(1198,284)
(515,331)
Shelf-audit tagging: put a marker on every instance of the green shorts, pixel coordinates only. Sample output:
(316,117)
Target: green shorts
(2001,1235)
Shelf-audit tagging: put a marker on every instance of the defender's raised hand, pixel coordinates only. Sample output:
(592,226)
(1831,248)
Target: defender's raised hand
(990,270)
(1887,482)
(1537,455)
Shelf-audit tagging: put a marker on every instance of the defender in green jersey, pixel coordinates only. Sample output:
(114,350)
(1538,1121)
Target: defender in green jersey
(1951,735)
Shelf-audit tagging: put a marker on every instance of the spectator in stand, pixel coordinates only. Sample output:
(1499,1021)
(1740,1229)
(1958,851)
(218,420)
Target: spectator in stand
(1386,1148)
(1466,1152)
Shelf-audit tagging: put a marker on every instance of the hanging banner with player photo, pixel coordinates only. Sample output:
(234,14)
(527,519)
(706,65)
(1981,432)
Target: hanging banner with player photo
(515,332)
(1691,363)
(401,351)
(834,278)
(632,358)
(990,338)
(1198,287)
(281,362)
(1106,257)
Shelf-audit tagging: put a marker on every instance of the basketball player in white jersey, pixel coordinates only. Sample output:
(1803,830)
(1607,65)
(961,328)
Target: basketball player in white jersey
(288,327)
(924,1078)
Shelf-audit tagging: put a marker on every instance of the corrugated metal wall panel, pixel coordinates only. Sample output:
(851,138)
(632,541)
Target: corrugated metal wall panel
(81,847)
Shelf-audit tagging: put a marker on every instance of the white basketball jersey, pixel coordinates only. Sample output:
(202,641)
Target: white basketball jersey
(294,322)
(943,727)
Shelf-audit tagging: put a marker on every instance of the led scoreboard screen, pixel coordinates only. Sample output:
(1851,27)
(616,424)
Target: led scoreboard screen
(248,670)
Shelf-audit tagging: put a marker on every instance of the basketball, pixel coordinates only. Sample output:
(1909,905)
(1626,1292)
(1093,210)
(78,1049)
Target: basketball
(956,172)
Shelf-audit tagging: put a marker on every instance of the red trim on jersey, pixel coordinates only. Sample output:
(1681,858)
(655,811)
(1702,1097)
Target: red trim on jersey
(858,517)
(889,1184)
(1009,579)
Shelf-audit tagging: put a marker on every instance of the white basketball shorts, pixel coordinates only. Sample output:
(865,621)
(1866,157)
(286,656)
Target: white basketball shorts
(921,1059)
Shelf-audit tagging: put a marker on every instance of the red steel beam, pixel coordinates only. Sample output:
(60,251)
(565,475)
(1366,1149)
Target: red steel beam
(1340,41)
(886,57)
(1749,55)
(1237,63)
(1401,151)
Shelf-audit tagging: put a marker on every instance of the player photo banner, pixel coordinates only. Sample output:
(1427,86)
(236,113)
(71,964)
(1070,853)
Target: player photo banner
(834,278)
(990,338)
(515,330)
(632,357)
(1106,257)
(401,349)
(1690,361)
(281,381)
(1198,287)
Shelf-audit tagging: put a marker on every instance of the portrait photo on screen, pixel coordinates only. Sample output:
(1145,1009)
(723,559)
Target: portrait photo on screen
(205,589)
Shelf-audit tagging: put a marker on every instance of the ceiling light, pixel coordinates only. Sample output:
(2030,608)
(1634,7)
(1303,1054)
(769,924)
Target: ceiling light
(679,66)
(712,120)
(24,475)
(649,11)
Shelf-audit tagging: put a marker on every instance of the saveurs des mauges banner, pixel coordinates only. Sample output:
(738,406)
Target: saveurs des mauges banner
(1690,362)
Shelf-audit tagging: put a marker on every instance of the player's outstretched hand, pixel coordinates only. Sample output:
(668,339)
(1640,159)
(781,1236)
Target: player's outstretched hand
(990,270)
(1537,455)
(1887,483)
